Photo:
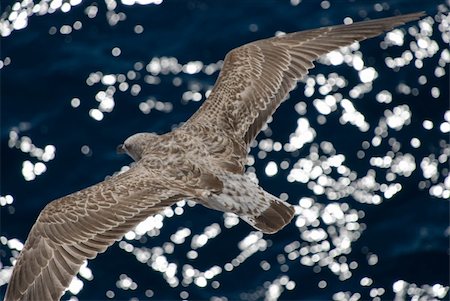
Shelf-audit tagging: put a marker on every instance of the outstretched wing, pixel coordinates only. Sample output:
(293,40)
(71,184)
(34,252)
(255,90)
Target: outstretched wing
(81,225)
(258,76)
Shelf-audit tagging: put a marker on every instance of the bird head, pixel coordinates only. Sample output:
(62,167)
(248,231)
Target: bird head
(135,145)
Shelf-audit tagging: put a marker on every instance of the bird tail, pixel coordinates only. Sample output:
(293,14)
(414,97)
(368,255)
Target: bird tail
(243,197)
(277,215)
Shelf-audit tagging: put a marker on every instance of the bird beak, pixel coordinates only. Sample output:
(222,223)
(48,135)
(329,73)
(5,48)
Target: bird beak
(120,149)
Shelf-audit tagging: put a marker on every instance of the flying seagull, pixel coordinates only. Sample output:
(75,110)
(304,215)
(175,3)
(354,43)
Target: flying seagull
(203,160)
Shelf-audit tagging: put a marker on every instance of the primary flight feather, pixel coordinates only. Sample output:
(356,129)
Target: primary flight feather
(203,160)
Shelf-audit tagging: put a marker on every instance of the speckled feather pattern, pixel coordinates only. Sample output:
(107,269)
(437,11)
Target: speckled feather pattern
(241,196)
(203,160)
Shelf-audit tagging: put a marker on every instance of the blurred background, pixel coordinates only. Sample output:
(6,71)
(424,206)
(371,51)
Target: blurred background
(360,148)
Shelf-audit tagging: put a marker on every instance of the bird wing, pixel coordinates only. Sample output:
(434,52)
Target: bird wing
(257,77)
(79,226)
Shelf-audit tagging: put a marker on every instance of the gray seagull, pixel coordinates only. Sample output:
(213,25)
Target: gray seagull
(203,160)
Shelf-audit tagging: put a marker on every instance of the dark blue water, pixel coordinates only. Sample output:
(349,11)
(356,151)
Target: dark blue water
(408,233)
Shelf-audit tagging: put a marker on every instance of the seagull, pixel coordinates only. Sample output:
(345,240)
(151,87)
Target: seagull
(203,160)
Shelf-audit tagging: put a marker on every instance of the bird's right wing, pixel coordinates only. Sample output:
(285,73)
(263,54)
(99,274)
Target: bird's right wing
(257,77)
(79,226)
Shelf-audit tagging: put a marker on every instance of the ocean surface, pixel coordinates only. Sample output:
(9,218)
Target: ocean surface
(361,147)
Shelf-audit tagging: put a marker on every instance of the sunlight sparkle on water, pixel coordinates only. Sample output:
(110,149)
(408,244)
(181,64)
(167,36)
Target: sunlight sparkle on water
(271,169)
(75,286)
(6,200)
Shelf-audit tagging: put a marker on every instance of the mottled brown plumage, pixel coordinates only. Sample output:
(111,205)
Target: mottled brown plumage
(203,160)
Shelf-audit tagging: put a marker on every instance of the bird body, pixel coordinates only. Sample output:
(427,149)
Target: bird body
(203,160)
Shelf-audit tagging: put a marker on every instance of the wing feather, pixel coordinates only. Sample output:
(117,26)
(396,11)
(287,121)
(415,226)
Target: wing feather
(81,225)
(258,76)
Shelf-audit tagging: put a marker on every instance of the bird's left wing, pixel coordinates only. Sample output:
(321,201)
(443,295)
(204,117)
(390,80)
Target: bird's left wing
(79,226)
